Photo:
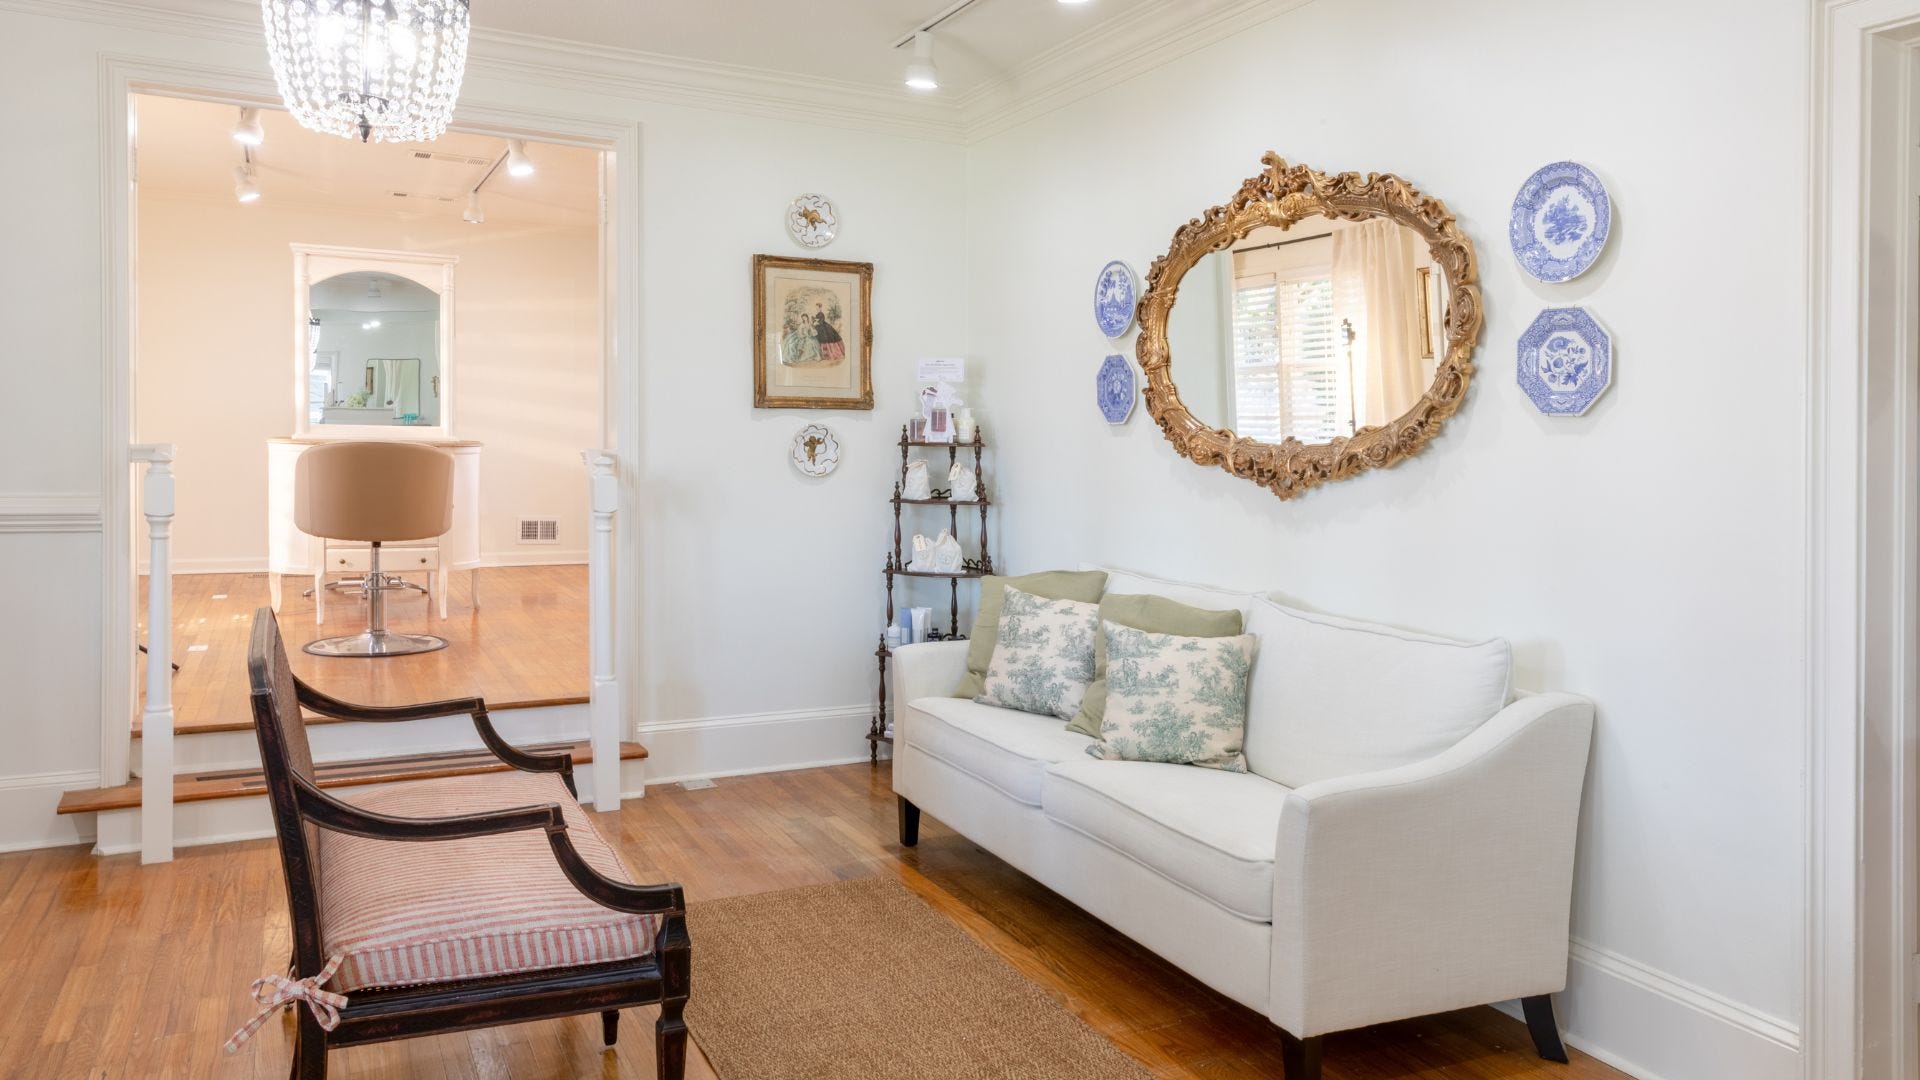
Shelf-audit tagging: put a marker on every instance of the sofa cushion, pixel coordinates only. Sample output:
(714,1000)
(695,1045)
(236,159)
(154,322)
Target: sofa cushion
(1006,749)
(1082,585)
(1334,697)
(403,913)
(1208,831)
(1043,659)
(1145,611)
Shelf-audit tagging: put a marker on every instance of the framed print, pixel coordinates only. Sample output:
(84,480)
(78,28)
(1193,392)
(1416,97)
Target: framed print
(812,334)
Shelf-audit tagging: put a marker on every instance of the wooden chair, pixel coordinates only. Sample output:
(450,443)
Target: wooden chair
(508,902)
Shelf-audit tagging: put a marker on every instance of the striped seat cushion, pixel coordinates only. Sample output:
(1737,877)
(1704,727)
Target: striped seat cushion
(404,913)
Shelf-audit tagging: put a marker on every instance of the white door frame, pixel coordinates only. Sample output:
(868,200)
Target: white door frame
(122,76)
(1862,318)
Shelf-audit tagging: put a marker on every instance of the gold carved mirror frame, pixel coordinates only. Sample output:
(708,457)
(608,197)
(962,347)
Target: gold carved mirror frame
(1282,195)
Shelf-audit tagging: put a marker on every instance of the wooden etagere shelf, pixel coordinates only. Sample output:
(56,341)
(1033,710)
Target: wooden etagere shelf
(896,564)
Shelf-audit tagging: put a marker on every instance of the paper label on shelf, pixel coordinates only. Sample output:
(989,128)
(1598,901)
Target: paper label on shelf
(932,369)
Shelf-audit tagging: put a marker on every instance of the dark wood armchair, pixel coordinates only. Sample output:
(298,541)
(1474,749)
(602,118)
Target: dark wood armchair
(443,922)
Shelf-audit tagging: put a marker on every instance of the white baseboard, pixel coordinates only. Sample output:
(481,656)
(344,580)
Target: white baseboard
(28,805)
(1653,1026)
(749,743)
(533,556)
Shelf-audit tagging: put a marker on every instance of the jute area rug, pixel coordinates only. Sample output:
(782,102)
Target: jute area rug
(861,979)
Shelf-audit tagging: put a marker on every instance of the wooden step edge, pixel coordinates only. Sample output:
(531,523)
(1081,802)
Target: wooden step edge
(315,719)
(246,783)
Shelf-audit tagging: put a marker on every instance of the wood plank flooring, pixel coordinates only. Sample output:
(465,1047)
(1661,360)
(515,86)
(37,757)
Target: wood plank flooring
(525,644)
(118,971)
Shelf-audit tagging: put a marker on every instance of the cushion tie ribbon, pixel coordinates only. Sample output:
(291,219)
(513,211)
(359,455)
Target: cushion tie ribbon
(275,992)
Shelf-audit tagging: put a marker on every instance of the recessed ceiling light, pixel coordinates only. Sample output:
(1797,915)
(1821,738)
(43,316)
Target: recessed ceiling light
(518,163)
(922,74)
(370,324)
(247,131)
(244,188)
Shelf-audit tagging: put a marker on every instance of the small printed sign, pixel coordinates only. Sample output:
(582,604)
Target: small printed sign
(932,369)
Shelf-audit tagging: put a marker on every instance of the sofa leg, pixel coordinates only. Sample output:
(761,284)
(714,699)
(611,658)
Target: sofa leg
(1300,1056)
(670,1041)
(909,822)
(610,1026)
(1540,1024)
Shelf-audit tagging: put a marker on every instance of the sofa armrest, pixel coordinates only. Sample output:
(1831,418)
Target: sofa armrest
(1432,886)
(929,669)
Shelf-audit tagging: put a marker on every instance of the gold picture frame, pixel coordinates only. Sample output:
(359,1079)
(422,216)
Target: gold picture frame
(812,333)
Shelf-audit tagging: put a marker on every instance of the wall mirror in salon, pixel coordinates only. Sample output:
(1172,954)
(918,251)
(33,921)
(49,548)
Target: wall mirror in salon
(1313,327)
(371,342)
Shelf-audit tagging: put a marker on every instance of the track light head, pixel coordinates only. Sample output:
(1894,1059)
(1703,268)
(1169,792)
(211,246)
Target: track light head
(922,73)
(244,188)
(247,130)
(518,163)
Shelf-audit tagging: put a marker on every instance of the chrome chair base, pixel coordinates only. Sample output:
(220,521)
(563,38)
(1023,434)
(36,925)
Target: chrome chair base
(376,643)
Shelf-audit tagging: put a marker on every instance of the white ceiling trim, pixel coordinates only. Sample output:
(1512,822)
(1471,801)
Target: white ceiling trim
(1146,37)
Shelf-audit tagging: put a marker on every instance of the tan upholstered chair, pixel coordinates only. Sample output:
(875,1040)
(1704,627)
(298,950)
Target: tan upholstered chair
(374,492)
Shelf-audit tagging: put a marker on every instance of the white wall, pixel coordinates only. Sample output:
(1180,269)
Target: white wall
(1649,554)
(215,368)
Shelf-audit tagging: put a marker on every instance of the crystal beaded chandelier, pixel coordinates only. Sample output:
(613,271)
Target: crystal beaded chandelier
(380,69)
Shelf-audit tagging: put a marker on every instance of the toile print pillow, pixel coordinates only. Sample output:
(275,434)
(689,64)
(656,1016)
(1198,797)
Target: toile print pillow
(1180,700)
(1043,659)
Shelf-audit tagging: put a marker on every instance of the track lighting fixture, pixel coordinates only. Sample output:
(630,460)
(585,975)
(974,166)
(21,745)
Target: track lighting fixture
(244,188)
(247,131)
(922,74)
(475,213)
(518,163)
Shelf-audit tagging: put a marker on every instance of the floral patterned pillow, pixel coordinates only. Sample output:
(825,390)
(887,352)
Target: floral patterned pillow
(1181,700)
(1043,661)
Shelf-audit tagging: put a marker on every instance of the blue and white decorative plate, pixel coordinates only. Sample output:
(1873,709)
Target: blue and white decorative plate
(1113,388)
(1566,361)
(1114,296)
(1560,221)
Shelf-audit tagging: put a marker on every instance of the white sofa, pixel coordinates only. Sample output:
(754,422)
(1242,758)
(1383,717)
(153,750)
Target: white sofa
(1403,843)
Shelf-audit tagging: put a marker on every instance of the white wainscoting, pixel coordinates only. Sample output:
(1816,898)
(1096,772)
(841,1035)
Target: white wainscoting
(27,804)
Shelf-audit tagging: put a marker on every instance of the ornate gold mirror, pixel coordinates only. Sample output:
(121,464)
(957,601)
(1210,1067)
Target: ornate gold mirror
(1325,326)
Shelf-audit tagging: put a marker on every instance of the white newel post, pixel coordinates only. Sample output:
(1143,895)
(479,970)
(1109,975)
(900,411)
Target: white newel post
(603,499)
(156,719)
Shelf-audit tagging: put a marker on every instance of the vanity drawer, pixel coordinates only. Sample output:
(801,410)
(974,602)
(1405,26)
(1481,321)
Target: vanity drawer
(393,560)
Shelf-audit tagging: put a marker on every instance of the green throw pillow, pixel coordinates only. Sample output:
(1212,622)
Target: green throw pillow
(1082,585)
(1154,614)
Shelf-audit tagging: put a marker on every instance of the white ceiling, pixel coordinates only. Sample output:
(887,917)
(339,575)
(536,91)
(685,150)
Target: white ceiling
(839,40)
(187,148)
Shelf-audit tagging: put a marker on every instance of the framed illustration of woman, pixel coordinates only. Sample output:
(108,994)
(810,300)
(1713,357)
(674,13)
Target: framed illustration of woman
(812,333)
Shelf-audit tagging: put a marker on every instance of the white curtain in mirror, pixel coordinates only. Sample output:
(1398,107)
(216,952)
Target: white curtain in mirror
(1375,291)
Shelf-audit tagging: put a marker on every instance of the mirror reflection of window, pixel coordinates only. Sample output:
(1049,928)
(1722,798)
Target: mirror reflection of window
(1320,329)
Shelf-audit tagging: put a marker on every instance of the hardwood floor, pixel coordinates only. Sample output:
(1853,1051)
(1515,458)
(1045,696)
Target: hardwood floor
(116,971)
(526,643)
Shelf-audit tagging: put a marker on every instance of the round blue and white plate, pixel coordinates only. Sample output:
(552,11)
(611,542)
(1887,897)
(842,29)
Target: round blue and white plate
(1560,221)
(1113,388)
(1114,296)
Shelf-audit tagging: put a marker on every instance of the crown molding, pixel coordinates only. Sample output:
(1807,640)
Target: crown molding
(1146,37)
(50,514)
(601,70)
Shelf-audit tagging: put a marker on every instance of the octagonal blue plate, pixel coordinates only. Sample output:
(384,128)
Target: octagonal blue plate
(1565,361)
(1113,388)
(1560,222)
